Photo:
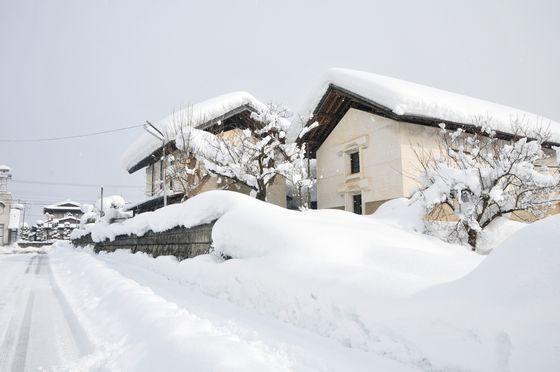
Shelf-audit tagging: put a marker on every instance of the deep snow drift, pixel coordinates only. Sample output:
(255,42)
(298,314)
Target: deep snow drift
(406,300)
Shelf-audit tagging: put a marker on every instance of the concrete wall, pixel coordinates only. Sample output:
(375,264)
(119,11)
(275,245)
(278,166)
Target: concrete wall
(179,242)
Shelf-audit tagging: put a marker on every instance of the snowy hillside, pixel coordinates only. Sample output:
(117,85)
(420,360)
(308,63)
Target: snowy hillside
(318,290)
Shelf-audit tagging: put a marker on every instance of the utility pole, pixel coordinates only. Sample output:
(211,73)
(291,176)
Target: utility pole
(102,202)
(24,208)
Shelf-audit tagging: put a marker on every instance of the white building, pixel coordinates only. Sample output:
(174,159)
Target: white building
(10,211)
(370,127)
(64,209)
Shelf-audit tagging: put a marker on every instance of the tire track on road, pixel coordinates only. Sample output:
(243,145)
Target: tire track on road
(20,353)
(10,335)
(81,340)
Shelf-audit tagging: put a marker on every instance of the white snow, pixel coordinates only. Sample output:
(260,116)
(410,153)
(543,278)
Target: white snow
(402,212)
(111,201)
(407,98)
(197,114)
(65,205)
(368,284)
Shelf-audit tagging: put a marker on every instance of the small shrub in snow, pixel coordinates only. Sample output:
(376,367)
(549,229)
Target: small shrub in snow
(478,178)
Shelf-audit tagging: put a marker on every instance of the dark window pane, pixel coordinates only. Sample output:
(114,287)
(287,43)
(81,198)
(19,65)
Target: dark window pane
(357,201)
(355,162)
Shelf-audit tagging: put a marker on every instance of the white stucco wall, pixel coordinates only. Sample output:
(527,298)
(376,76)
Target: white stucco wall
(389,165)
(5,205)
(379,143)
(415,139)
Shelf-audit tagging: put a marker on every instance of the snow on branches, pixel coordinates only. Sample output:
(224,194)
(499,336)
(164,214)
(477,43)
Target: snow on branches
(478,177)
(252,157)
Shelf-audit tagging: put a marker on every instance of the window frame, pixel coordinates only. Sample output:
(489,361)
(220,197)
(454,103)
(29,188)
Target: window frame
(354,204)
(355,166)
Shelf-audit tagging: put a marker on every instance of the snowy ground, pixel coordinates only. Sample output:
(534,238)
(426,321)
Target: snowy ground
(314,291)
(37,326)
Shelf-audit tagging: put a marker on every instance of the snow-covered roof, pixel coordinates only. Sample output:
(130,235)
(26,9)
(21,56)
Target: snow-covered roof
(198,115)
(405,98)
(65,205)
(5,168)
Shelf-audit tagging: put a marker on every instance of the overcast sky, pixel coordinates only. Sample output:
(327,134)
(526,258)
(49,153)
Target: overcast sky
(72,67)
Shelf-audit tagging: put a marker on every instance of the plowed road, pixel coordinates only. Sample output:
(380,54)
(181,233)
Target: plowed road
(37,327)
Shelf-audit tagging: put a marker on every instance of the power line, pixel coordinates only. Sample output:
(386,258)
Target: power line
(75,184)
(70,137)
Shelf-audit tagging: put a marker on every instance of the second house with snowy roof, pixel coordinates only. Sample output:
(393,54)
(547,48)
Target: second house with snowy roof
(185,176)
(370,128)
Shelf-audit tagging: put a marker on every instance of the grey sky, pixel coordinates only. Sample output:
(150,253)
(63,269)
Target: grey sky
(71,67)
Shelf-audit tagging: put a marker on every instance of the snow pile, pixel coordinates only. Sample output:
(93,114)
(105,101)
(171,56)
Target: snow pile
(363,282)
(513,297)
(113,201)
(407,98)
(197,115)
(203,208)
(496,233)
(329,272)
(405,213)
(524,268)
(135,329)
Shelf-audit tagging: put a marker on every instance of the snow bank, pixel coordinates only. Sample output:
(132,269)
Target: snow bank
(513,297)
(407,98)
(197,114)
(525,267)
(496,233)
(135,329)
(405,213)
(203,208)
(362,281)
(330,272)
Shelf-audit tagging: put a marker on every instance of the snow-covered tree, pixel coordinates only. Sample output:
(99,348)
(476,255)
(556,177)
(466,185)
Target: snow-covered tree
(25,232)
(478,177)
(182,166)
(255,157)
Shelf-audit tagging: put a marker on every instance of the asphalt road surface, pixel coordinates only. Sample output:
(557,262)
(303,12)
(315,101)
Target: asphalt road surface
(38,330)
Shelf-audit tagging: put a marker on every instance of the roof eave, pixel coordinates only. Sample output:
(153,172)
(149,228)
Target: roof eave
(362,103)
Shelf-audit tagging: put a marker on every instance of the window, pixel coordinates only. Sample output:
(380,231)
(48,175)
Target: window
(354,162)
(357,203)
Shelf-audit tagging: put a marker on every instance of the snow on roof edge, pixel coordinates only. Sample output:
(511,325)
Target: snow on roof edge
(408,98)
(199,114)
(59,205)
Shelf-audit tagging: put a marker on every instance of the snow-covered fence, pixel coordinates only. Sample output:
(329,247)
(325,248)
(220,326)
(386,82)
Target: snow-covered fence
(179,241)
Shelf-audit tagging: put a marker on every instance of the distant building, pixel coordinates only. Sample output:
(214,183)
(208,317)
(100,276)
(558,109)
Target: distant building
(63,209)
(61,219)
(10,211)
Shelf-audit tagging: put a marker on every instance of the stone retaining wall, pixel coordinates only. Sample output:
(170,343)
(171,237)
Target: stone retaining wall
(179,241)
